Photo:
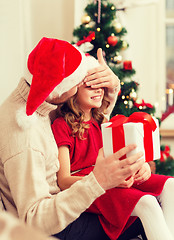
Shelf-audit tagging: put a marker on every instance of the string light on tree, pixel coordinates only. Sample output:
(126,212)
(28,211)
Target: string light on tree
(125,102)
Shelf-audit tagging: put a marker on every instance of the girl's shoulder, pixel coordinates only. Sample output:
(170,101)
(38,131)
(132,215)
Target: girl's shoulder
(60,126)
(60,123)
(59,120)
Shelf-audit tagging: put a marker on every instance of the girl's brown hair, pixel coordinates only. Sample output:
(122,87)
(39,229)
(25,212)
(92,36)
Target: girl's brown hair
(74,116)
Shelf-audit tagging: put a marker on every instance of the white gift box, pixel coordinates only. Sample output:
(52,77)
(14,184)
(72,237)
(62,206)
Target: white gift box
(133,134)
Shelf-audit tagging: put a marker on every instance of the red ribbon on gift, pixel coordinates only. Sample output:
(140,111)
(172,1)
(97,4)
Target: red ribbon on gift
(89,38)
(149,125)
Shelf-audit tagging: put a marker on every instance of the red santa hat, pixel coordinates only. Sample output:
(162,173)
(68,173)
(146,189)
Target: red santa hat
(55,66)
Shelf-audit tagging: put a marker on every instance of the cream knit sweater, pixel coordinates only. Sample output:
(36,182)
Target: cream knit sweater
(28,167)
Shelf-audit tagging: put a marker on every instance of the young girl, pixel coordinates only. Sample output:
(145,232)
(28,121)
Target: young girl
(78,136)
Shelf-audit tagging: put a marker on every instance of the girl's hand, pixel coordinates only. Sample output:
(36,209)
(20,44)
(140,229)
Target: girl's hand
(143,174)
(127,183)
(102,76)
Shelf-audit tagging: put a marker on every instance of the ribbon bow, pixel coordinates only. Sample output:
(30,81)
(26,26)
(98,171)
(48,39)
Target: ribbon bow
(165,153)
(89,38)
(143,104)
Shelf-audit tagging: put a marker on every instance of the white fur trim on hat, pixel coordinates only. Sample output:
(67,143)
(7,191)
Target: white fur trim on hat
(23,120)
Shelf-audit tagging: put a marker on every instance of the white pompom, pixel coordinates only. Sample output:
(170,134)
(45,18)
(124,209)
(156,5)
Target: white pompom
(23,120)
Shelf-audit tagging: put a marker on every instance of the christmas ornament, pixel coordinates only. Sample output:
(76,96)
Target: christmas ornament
(86,25)
(118,27)
(133,95)
(112,40)
(127,79)
(105,4)
(127,65)
(117,59)
(124,45)
(92,24)
(130,104)
(85,19)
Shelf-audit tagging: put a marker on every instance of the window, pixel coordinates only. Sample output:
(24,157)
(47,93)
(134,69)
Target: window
(169,28)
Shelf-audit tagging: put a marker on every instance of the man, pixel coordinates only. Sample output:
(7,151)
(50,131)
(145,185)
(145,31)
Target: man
(29,154)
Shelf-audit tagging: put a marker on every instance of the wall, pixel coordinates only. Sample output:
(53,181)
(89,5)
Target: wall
(145,34)
(53,18)
(142,50)
(11,46)
(22,24)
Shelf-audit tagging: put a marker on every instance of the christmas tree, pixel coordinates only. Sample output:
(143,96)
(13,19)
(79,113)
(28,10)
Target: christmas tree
(100,28)
(165,165)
